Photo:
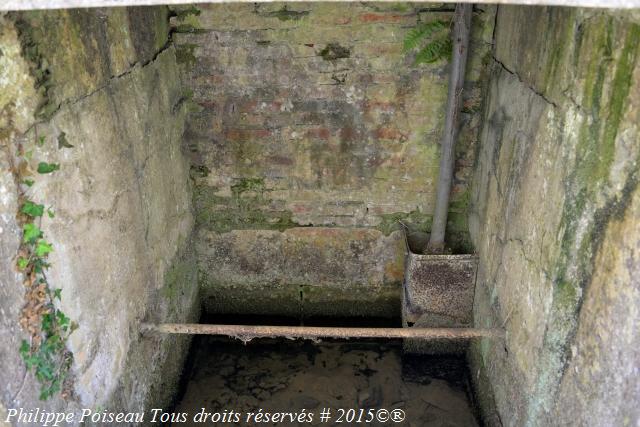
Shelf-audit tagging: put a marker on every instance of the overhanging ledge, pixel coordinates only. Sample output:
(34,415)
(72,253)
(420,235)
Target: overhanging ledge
(9,5)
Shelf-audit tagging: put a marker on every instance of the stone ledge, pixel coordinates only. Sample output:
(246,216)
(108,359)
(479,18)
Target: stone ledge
(358,270)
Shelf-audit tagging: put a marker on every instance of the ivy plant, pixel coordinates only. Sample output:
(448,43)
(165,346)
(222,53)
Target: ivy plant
(45,353)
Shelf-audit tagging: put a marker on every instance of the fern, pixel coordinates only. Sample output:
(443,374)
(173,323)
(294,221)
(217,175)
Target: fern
(438,43)
(421,32)
(434,50)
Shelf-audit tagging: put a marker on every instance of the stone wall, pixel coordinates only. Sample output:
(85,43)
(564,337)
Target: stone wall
(102,88)
(554,219)
(311,114)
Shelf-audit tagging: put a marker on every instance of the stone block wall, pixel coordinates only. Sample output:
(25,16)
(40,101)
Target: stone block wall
(101,89)
(311,114)
(554,220)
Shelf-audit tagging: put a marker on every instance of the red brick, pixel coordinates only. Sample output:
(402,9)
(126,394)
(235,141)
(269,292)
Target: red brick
(209,105)
(280,160)
(246,134)
(390,133)
(380,17)
(319,133)
(387,107)
(348,134)
(301,208)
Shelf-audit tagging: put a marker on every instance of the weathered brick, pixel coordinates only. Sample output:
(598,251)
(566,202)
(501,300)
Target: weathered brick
(320,103)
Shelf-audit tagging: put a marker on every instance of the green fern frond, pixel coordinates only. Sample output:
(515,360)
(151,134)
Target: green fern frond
(434,51)
(423,31)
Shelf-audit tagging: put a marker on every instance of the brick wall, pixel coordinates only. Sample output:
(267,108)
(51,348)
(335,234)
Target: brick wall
(311,114)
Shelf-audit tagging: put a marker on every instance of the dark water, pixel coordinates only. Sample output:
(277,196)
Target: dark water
(360,382)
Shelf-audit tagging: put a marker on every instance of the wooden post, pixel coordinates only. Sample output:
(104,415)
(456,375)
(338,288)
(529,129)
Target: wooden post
(461,30)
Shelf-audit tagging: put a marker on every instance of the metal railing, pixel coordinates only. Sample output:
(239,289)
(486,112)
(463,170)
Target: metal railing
(248,332)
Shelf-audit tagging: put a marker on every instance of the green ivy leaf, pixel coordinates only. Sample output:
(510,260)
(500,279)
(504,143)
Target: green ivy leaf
(46,324)
(28,182)
(25,348)
(39,265)
(43,248)
(63,320)
(50,213)
(31,233)
(22,263)
(57,293)
(41,140)
(32,209)
(44,167)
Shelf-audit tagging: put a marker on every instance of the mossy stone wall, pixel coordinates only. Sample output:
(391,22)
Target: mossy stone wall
(557,168)
(107,82)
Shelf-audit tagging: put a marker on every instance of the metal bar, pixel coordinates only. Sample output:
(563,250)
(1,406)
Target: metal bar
(460,43)
(248,332)
(8,5)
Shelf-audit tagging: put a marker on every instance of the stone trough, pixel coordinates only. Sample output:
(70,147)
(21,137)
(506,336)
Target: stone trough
(438,292)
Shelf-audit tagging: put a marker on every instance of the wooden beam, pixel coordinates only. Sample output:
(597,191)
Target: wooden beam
(248,332)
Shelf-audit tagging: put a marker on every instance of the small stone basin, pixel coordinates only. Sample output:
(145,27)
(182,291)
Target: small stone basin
(438,292)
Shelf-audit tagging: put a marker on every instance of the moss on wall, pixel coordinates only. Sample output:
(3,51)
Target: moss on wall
(248,207)
(112,99)
(321,103)
(96,47)
(587,86)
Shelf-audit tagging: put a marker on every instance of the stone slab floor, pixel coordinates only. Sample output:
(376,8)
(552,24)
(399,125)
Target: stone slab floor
(282,375)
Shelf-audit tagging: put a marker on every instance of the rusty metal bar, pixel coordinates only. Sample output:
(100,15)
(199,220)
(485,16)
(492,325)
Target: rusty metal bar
(248,332)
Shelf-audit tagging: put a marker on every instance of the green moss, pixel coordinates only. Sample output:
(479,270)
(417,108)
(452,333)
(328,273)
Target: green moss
(563,30)
(619,93)
(565,295)
(596,148)
(185,54)
(458,240)
(181,275)
(187,94)
(247,208)
(199,171)
(334,51)
(148,30)
(399,7)
(182,13)
(248,184)
(263,298)
(415,220)
(188,28)
(588,208)
(31,51)
(285,14)
(343,301)
(460,202)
